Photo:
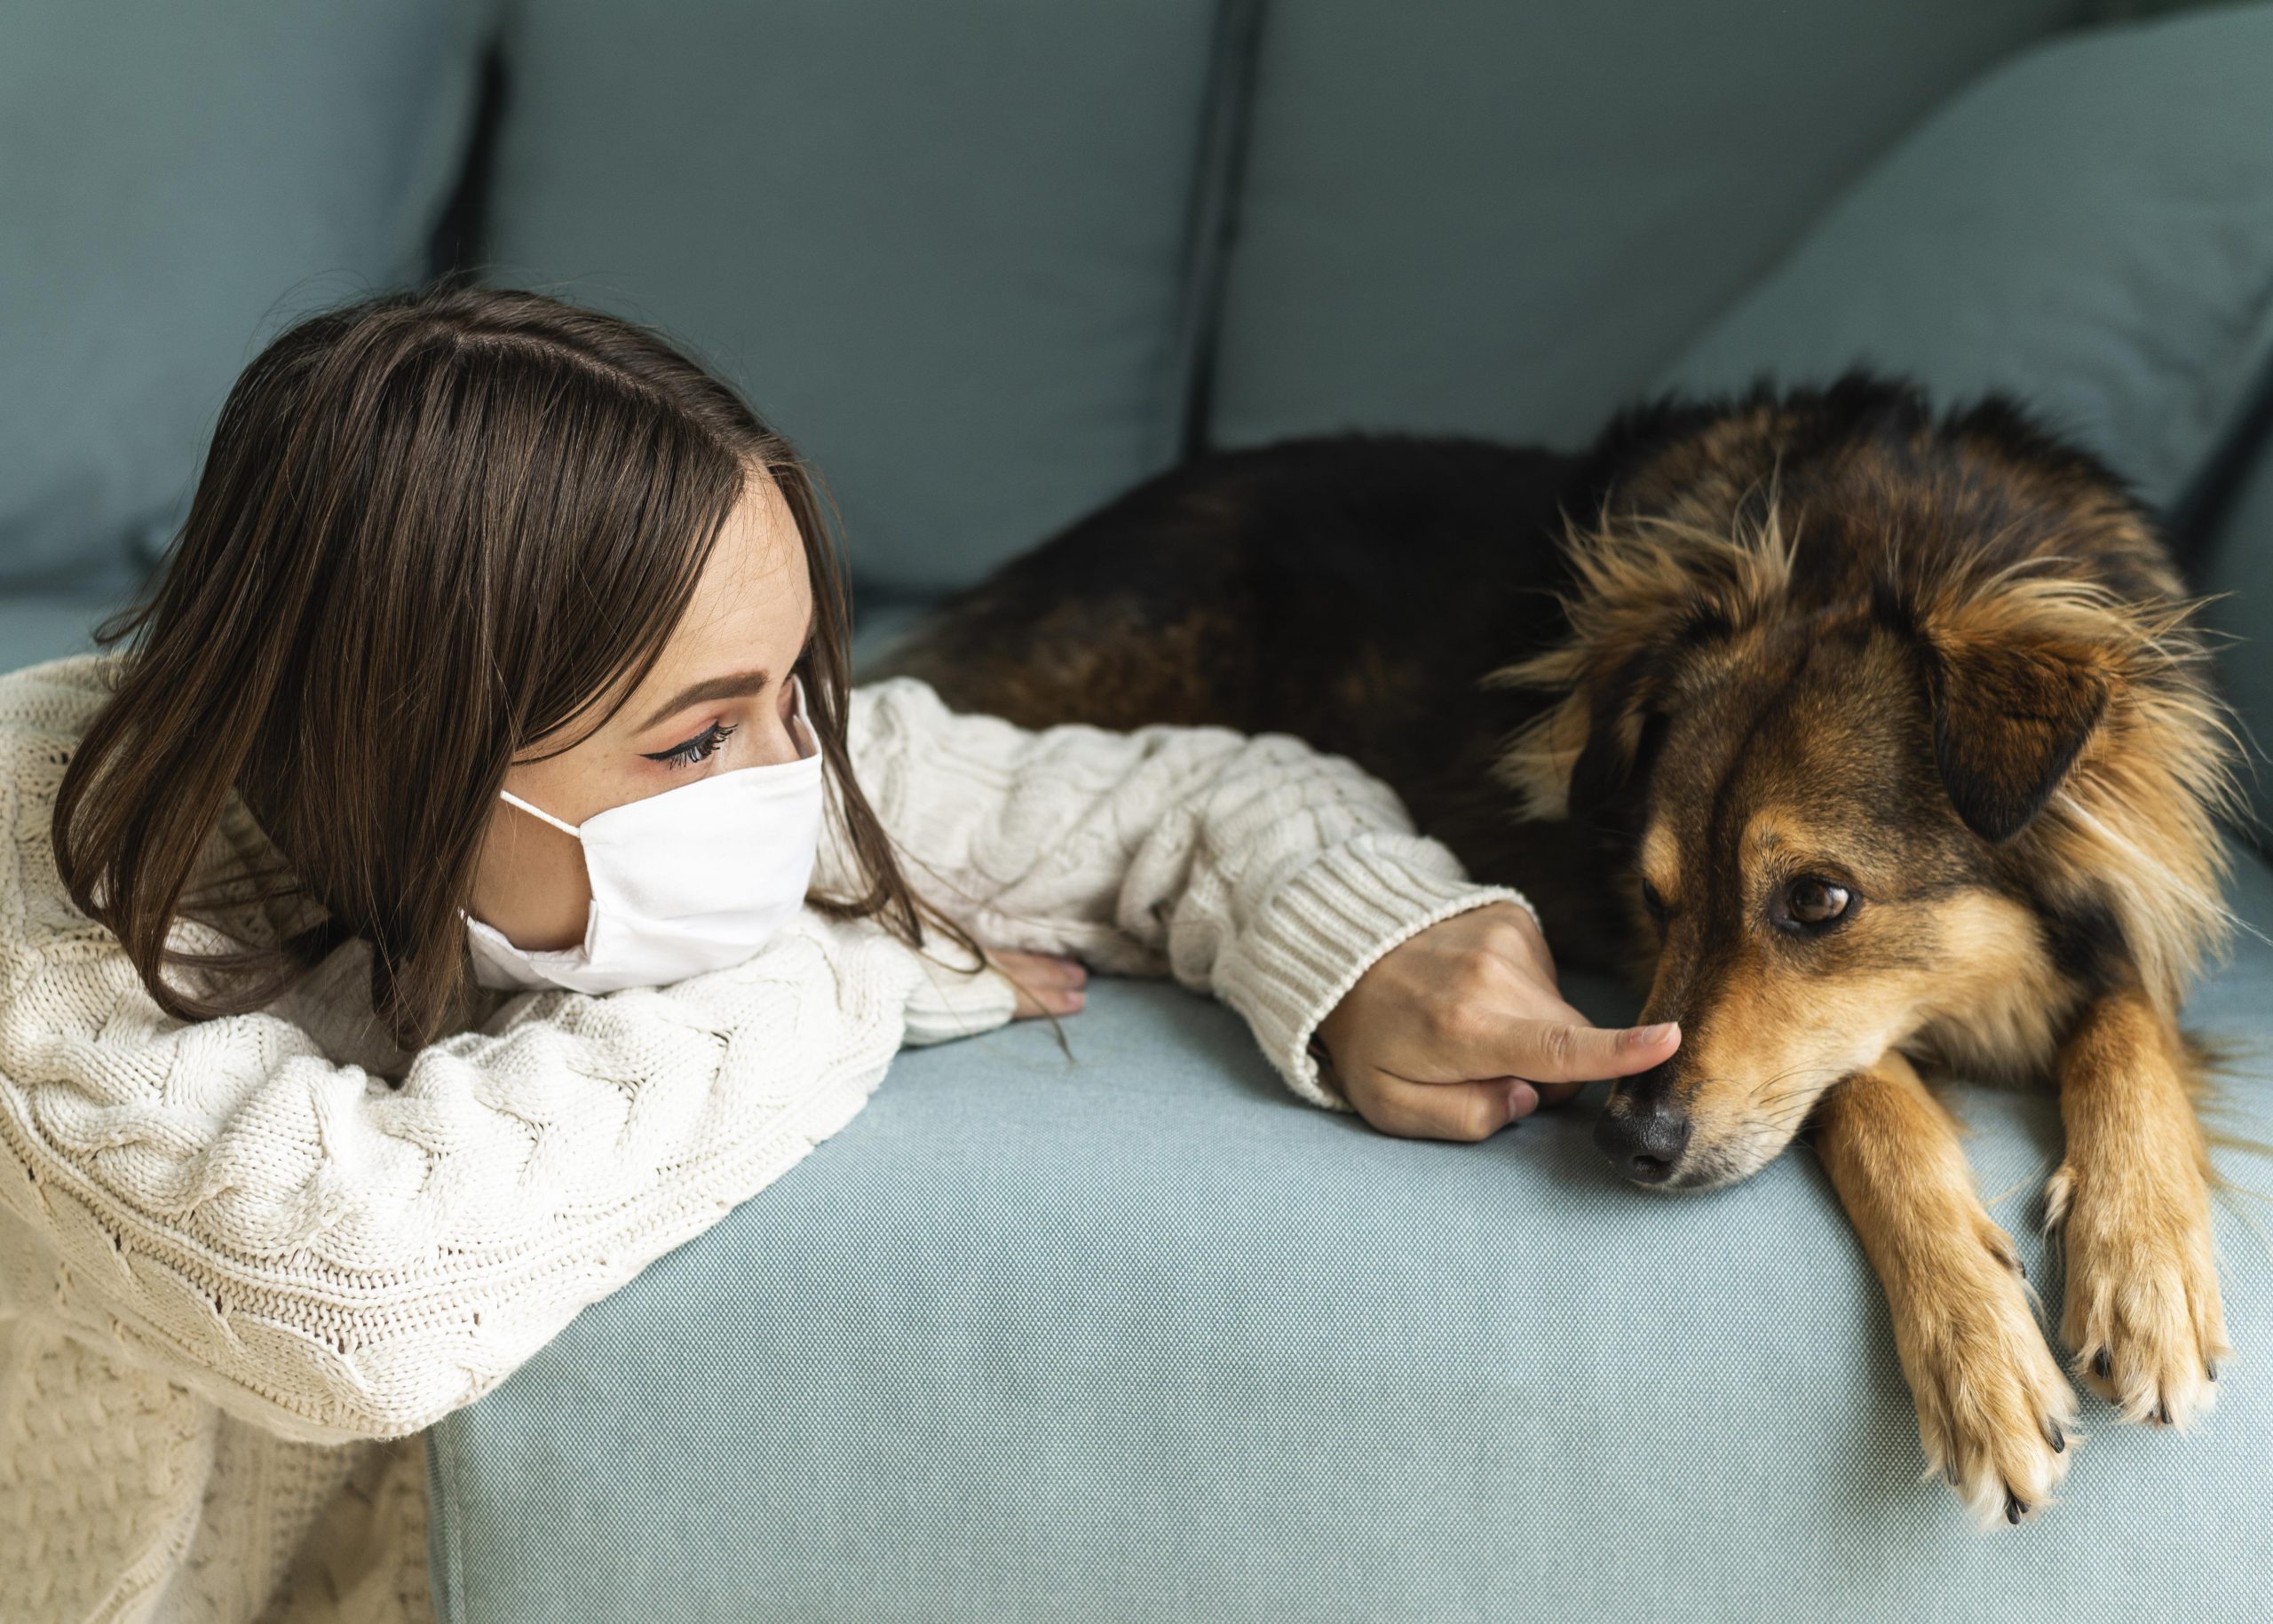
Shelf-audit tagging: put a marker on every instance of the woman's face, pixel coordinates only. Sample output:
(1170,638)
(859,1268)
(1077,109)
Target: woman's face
(717,700)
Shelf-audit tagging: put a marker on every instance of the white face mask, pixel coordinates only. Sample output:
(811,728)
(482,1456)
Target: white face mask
(691,880)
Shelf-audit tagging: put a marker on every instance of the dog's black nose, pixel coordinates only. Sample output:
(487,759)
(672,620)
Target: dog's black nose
(1644,1138)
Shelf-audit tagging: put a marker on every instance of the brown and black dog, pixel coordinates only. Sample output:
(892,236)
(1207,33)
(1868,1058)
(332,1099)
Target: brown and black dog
(1877,743)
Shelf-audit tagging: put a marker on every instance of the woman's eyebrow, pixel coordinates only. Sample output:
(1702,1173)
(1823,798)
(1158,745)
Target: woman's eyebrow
(735,684)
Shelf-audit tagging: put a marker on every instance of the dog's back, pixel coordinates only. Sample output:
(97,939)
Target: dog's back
(1348,590)
(1357,590)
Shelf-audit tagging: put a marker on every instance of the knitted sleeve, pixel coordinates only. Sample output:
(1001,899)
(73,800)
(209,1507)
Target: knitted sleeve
(336,1255)
(1251,867)
(331,1253)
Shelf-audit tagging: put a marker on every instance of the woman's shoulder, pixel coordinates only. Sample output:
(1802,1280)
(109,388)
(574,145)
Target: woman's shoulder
(884,712)
(893,693)
(900,722)
(58,697)
(44,710)
(906,708)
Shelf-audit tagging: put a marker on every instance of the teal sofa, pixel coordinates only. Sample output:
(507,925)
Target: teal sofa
(1128,1332)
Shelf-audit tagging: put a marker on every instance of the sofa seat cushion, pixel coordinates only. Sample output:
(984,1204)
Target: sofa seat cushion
(1138,1335)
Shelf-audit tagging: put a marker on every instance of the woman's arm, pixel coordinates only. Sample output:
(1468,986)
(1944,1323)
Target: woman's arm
(1254,868)
(333,1254)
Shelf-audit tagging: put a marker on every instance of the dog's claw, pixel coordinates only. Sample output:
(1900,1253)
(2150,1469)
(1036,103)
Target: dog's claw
(2103,1366)
(2057,1438)
(2162,1411)
(2210,1368)
(2014,1506)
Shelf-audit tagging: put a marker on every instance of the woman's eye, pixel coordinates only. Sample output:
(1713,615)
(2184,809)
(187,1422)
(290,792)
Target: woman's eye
(697,749)
(1815,902)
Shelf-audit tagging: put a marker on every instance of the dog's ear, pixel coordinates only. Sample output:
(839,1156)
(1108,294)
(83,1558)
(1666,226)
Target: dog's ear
(1622,743)
(1604,766)
(2009,719)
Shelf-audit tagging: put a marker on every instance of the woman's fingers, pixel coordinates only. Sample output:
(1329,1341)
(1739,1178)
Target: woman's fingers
(1463,1111)
(1534,1062)
(1042,969)
(1568,1051)
(1047,984)
(1556,1093)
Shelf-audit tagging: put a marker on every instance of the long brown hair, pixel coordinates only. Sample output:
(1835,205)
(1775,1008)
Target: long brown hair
(434,526)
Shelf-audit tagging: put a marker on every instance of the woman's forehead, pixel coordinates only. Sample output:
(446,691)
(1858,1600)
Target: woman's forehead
(750,609)
(758,567)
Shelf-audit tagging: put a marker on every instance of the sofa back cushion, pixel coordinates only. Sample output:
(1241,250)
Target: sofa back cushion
(1477,217)
(2090,227)
(180,184)
(2235,567)
(943,245)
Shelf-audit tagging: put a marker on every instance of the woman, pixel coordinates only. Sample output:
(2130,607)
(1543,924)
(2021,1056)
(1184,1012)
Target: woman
(477,877)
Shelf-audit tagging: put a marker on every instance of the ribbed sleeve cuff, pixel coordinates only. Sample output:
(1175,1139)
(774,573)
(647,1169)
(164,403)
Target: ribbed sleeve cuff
(1325,927)
(948,1003)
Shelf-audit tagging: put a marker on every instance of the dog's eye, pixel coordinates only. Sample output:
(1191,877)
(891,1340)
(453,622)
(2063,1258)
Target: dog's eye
(1812,903)
(1652,901)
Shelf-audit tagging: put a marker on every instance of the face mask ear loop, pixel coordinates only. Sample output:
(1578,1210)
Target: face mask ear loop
(565,828)
(804,722)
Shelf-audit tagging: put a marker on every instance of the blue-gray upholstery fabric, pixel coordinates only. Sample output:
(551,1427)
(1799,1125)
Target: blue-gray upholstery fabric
(1501,219)
(46,626)
(2236,567)
(178,185)
(943,244)
(2090,227)
(1140,1336)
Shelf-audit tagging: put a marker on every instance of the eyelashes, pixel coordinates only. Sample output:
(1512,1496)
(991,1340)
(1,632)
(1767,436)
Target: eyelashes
(697,749)
(706,743)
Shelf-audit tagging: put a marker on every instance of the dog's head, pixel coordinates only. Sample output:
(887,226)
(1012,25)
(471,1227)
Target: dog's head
(1885,763)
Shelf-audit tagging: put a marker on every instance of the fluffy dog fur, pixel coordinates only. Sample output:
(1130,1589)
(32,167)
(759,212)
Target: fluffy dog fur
(1875,743)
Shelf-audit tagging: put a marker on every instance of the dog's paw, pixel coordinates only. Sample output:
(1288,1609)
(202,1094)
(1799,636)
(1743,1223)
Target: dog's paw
(2143,1318)
(1996,1414)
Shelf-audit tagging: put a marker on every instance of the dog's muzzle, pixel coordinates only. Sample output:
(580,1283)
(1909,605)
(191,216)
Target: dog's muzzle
(1642,1130)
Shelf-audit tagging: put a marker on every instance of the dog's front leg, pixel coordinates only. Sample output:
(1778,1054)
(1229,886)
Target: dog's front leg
(2132,1204)
(1996,1414)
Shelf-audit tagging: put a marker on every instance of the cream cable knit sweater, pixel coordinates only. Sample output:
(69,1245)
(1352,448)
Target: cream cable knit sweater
(244,1262)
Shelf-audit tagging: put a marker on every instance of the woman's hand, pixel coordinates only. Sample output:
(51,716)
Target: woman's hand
(1046,983)
(1459,1030)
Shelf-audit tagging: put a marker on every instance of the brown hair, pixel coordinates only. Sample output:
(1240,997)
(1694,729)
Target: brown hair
(434,526)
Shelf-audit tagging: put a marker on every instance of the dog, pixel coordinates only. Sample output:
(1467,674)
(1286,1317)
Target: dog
(1875,743)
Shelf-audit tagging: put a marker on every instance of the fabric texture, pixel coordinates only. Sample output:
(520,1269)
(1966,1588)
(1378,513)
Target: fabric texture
(1481,218)
(33,629)
(178,185)
(235,1252)
(949,245)
(2089,227)
(1124,1336)
(2236,566)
